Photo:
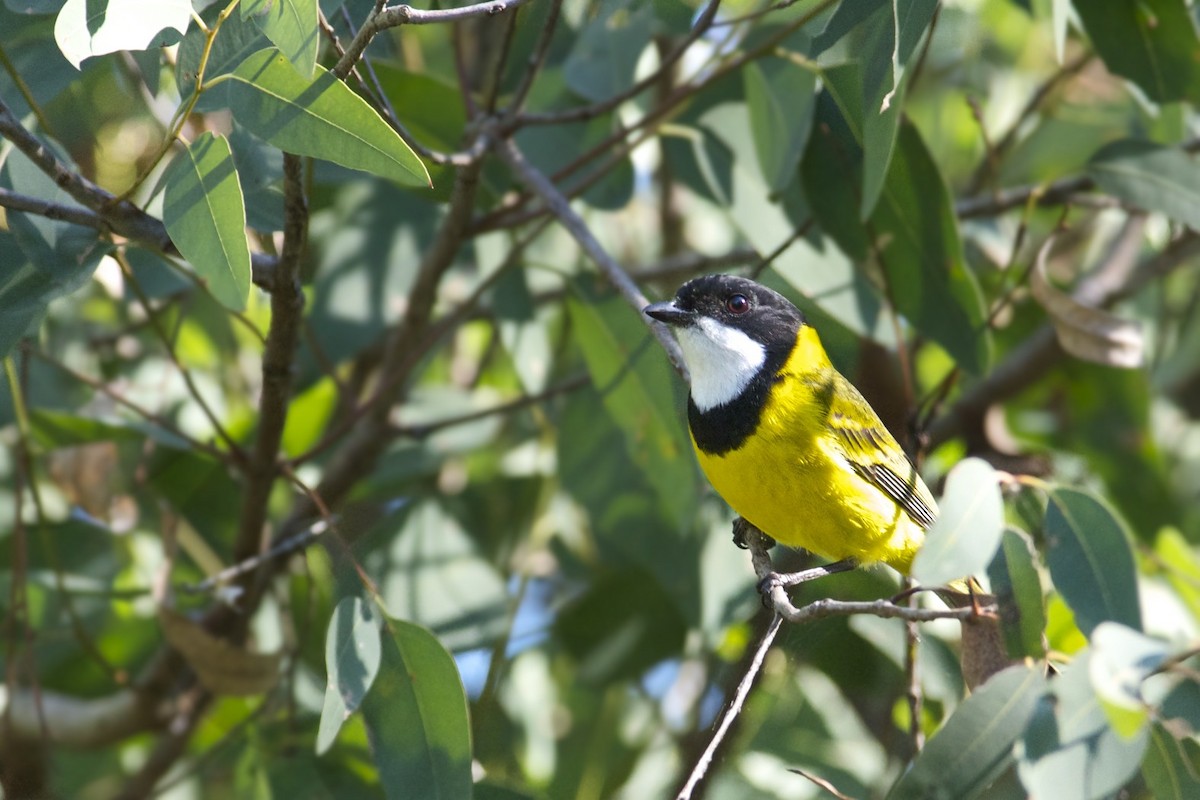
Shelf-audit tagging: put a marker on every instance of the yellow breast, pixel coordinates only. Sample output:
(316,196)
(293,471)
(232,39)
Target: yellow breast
(791,480)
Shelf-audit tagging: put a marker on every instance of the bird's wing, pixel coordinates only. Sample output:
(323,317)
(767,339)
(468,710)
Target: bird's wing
(875,455)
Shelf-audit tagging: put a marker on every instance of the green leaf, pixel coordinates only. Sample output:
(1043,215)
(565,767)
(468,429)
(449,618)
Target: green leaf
(1169,769)
(353,653)
(1121,659)
(321,118)
(291,25)
(967,531)
(606,52)
(1151,177)
(206,217)
(919,249)
(1069,751)
(974,747)
(1091,561)
(237,40)
(913,232)
(635,383)
(94,27)
(1018,590)
(780,97)
(1151,42)
(430,571)
(416,717)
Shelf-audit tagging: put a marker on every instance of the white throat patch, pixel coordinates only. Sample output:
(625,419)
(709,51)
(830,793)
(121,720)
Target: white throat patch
(722,361)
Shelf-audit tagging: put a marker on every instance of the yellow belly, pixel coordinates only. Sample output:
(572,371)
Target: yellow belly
(797,488)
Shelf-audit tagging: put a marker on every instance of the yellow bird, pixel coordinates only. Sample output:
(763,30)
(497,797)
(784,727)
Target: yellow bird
(789,443)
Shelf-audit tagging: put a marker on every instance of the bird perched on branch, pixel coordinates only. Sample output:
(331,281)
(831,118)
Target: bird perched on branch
(789,443)
(796,450)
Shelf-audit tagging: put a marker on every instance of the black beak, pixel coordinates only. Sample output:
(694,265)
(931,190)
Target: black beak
(669,313)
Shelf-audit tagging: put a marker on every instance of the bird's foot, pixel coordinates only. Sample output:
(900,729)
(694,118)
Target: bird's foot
(774,580)
(742,530)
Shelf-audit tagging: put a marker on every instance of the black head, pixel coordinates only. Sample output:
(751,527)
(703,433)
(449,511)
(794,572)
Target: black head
(763,314)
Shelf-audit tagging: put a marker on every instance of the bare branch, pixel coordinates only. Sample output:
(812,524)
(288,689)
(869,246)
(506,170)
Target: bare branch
(79,722)
(540,185)
(735,708)
(287,305)
(380,20)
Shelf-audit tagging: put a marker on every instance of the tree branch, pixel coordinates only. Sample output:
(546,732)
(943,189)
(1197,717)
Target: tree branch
(380,20)
(540,185)
(287,307)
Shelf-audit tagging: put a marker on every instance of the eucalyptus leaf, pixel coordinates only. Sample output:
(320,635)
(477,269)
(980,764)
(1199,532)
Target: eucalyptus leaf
(1017,586)
(291,25)
(416,716)
(1150,176)
(320,117)
(967,530)
(1150,42)
(96,27)
(1069,751)
(353,653)
(974,748)
(1091,561)
(206,217)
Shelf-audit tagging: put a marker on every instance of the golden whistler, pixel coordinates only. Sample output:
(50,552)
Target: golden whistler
(789,443)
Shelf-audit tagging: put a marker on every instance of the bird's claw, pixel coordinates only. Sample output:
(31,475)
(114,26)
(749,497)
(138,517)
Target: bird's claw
(742,529)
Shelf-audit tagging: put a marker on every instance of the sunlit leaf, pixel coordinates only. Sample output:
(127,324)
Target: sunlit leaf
(1121,659)
(635,383)
(974,747)
(416,715)
(320,117)
(206,217)
(967,531)
(95,27)
(1069,751)
(352,656)
(1090,560)
(291,25)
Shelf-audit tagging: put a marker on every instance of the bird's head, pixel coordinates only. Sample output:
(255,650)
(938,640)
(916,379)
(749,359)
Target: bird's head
(730,329)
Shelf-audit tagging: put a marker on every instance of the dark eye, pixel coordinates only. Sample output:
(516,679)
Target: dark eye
(737,304)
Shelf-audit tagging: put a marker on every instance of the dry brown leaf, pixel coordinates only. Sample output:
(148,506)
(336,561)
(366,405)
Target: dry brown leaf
(222,667)
(1091,334)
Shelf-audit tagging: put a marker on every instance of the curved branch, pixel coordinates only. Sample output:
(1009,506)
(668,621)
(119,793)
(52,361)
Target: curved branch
(407,15)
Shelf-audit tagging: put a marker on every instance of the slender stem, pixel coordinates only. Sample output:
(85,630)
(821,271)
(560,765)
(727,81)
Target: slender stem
(540,185)
(735,708)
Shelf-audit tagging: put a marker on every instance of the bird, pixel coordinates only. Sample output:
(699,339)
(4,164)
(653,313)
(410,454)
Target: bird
(789,443)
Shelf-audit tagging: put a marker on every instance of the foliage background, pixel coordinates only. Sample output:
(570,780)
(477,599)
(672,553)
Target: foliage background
(492,566)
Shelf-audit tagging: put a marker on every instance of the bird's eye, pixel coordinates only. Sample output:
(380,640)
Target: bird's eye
(737,304)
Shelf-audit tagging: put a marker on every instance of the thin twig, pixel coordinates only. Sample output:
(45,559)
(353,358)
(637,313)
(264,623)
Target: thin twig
(735,708)
(287,306)
(380,20)
(548,192)
(156,325)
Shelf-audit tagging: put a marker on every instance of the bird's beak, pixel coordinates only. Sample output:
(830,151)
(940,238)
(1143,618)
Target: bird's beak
(669,313)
